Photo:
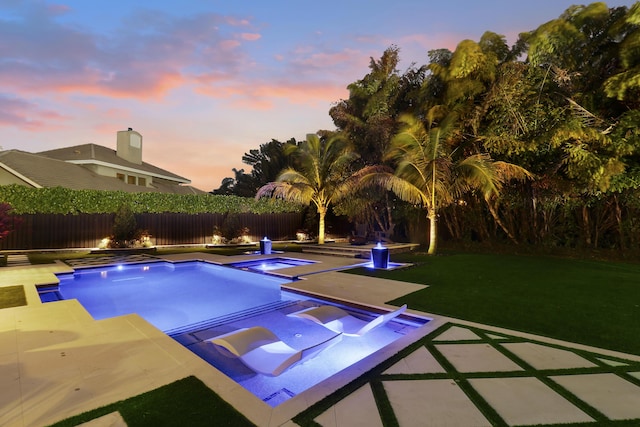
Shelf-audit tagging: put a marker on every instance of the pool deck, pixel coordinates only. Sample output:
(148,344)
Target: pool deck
(56,361)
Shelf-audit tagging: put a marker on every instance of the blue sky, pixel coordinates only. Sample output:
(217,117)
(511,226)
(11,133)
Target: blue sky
(205,81)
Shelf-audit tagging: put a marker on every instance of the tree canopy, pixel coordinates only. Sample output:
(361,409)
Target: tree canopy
(561,106)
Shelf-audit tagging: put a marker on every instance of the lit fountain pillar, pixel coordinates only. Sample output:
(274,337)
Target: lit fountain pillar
(380,256)
(265,246)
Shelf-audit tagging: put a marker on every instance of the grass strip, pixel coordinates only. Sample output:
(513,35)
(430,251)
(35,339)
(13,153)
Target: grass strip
(385,409)
(186,402)
(12,296)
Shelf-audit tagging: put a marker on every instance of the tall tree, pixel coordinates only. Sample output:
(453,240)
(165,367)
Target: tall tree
(430,173)
(368,120)
(266,163)
(625,85)
(318,175)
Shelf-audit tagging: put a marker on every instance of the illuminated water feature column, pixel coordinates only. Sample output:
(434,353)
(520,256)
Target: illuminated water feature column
(380,256)
(265,246)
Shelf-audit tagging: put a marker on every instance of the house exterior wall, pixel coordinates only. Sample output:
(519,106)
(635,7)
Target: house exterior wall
(7,178)
(114,172)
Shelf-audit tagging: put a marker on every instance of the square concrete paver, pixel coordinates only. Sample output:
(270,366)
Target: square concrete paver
(615,397)
(477,358)
(432,403)
(418,362)
(545,357)
(357,409)
(527,401)
(456,333)
(611,362)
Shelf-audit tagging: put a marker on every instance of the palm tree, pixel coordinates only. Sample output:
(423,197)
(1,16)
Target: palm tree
(318,175)
(431,173)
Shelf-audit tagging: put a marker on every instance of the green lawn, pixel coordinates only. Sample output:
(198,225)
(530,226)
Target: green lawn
(583,301)
(12,296)
(187,402)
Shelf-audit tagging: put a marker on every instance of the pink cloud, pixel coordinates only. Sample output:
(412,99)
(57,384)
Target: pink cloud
(250,36)
(263,95)
(143,61)
(327,60)
(302,93)
(237,22)
(28,115)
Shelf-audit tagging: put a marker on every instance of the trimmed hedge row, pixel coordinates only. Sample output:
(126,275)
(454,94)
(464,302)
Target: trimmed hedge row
(58,200)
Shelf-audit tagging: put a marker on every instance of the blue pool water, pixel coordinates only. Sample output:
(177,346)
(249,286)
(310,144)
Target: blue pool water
(167,295)
(270,264)
(194,302)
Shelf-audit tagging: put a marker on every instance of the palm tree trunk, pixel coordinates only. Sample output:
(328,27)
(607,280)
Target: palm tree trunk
(433,235)
(321,213)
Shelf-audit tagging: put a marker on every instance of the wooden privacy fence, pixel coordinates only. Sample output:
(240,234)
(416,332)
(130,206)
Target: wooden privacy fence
(52,231)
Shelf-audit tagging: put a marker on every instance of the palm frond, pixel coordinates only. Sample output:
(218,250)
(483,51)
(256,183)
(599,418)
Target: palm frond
(478,172)
(293,176)
(266,190)
(400,187)
(509,171)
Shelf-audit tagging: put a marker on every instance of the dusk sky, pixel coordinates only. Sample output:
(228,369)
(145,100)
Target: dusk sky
(205,81)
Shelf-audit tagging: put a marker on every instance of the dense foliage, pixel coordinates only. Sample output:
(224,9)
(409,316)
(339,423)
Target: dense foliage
(562,103)
(59,200)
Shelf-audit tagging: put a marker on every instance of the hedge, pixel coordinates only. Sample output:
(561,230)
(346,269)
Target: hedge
(58,200)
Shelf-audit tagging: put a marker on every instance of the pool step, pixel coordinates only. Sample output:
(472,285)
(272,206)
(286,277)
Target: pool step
(17,260)
(229,318)
(343,251)
(356,251)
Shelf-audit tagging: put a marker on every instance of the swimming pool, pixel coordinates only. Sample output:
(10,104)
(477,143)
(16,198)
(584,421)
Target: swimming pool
(195,302)
(167,295)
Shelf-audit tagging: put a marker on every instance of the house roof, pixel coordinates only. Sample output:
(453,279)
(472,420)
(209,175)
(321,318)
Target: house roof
(97,154)
(43,171)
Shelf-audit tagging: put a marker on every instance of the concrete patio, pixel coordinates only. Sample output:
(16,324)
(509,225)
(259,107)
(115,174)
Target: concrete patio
(57,361)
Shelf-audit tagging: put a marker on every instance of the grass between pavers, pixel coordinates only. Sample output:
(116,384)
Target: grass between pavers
(584,301)
(376,378)
(12,296)
(186,402)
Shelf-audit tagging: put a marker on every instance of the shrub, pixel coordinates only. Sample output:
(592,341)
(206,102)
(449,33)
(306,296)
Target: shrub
(8,222)
(124,227)
(58,200)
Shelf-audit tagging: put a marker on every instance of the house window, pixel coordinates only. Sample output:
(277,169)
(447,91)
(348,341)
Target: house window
(142,182)
(120,176)
(131,179)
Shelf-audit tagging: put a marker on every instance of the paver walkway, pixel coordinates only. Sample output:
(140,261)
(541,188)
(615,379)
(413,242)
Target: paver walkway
(470,376)
(56,361)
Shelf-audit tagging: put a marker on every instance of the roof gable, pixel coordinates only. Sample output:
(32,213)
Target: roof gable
(50,172)
(98,154)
